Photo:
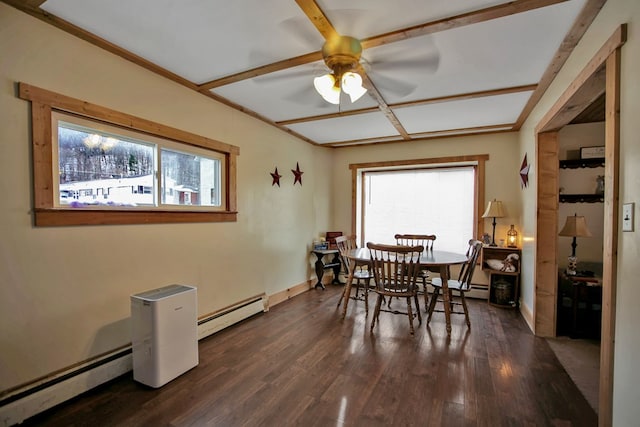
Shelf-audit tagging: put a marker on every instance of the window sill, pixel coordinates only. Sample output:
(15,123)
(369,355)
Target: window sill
(64,217)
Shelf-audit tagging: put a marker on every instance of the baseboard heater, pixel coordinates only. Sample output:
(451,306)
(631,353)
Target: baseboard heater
(214,322)
(46,393)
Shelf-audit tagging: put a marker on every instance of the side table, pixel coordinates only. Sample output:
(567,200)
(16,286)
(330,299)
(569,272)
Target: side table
(586,306)
(503,285)
(334,264)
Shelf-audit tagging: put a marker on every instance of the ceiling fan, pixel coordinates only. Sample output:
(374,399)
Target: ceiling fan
(349,73)
(346,70)
(341,54)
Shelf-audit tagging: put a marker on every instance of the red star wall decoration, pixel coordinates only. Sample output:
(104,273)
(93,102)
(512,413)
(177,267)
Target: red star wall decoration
(276,178)
(524,172)
(297,173)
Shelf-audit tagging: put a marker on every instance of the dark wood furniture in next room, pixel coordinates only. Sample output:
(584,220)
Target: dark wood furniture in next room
(579,306)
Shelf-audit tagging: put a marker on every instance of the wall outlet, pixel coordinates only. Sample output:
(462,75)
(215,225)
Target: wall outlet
(627,216)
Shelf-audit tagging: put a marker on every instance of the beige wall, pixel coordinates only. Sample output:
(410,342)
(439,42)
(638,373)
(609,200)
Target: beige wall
(626,410)
(64,292)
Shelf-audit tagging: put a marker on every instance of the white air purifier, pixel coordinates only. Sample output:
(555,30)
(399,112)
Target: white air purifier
(164,333)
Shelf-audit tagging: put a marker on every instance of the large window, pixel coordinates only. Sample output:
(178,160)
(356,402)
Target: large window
(103,167)
(429,196)
(412,201)
(95,166)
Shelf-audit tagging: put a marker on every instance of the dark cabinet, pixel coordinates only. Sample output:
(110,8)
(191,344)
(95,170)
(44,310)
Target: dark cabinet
(579,306)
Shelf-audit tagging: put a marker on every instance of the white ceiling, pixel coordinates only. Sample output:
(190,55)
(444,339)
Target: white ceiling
(429,82)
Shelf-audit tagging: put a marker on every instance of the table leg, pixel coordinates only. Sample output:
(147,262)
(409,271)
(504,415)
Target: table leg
(319,271)
(337,266)
(347,287)
(444,276)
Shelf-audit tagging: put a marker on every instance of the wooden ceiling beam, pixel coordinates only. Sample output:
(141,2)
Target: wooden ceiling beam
(456,97)
(382,104)
(262,70)
(32,7)
(457,21)
(322,23)
(580,25)
(479,130)
(324,26)
(468,95)
(318,18)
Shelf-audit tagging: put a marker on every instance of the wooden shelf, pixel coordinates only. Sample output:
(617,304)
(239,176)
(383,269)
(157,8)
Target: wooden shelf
(503,285)
(576,164)
(582,163)
(581,198)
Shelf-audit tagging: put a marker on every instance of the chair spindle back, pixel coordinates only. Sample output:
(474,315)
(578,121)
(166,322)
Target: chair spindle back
(395,268)
(425,240)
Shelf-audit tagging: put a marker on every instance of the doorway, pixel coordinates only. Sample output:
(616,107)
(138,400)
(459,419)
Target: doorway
(601,75)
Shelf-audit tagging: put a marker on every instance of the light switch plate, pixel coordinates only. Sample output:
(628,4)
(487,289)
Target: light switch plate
(627,216)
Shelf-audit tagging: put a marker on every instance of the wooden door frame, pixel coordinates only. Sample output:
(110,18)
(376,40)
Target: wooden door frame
(601,75)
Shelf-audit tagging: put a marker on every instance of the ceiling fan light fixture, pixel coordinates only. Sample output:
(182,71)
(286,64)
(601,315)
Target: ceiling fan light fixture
(341,55)
(352,85)
(326,87)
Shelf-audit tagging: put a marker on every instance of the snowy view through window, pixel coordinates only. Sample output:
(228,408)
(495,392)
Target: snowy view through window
(101,169)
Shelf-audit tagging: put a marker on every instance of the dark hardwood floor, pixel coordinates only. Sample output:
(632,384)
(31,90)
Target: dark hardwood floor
(300,364)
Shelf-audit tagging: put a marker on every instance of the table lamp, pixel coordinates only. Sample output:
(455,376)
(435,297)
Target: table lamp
(575,226)
(494,210)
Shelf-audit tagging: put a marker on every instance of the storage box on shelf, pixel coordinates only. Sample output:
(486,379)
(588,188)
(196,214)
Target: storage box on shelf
(503,266)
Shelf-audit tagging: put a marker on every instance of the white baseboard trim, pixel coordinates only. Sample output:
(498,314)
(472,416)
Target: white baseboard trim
(33,403)
(527,315)
(38,397)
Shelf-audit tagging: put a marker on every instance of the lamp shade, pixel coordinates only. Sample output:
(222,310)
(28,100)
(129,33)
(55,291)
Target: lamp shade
(575,226)
(494,210)
(329,86)
(352,86)
(326,86)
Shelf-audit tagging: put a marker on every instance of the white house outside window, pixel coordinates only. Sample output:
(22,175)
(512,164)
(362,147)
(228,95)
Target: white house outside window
(105,167)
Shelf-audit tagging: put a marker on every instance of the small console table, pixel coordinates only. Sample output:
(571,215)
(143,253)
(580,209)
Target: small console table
(334,264)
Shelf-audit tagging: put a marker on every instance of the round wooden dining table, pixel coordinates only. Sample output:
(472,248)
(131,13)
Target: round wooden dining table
(430,259)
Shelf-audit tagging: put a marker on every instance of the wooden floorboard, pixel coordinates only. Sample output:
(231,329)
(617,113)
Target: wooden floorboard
(301,364)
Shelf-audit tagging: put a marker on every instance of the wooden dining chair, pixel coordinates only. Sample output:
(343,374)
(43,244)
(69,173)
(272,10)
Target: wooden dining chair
(395,272)
(427,241)
(457,287)
(361,274)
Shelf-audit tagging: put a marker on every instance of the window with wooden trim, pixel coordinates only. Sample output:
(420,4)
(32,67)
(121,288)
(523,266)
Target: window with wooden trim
(96,166)
(429,196)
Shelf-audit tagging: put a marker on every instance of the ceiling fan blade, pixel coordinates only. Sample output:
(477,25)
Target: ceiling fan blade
(307,96)
(395,86)
(308,70)
(426,65)
(349,21)
(301,29)
(282,76)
